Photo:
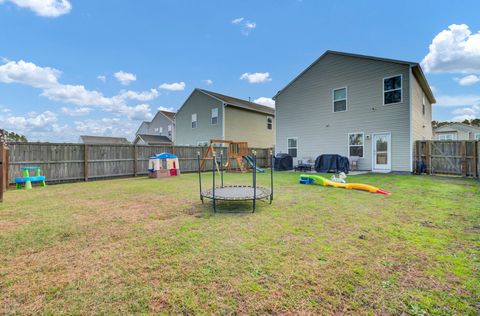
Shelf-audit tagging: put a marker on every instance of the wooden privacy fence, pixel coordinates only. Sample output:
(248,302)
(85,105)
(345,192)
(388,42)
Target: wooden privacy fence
(78,162)
(452,157)
(3,169)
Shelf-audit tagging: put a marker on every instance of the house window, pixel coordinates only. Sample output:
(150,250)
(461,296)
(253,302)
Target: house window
(423,104)
(160,130)
(477,136)
(447,136)
(340,100)
(169,128)
(292,146)
(355,144)
(214,116)
(194,120)
(392,90)
(269,123)
(156,129)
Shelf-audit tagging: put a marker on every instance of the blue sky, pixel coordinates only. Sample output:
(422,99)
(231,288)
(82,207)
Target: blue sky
(71,67)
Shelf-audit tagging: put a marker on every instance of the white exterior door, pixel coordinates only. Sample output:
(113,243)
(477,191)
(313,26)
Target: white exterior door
(382,158)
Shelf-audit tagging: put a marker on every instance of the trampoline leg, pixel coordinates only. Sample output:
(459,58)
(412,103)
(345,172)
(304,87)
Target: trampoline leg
(253,211)
(201,199)
(214,206)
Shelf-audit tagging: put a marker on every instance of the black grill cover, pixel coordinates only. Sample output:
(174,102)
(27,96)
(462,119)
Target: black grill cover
(332,163)
(283,162)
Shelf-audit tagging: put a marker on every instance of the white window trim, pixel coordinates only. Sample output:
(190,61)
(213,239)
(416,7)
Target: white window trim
(363,143)
(401,89)
(288,147)
(269,123)
(160,129)
(424,104)
(196,121)
(454,136)
(346,99)
(211,116)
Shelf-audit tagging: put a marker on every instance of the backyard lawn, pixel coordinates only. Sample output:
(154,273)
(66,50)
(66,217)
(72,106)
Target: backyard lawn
(148,246)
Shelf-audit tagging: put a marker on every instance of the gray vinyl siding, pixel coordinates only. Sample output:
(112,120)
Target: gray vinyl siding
(462,133)
(143,128)
(304,110)
(201,104)
(158,121)
(421,124)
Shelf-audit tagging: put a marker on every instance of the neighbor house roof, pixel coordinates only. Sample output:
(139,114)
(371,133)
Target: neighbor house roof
(416,69)
(457,126)
(235,102)
(170,115)
(153,139)
(86,139)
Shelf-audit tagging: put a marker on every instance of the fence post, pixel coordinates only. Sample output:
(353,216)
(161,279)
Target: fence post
(2,168)
(463,159)
(135,154)
(428,156)
(85,162)
(6,166)
(475,159)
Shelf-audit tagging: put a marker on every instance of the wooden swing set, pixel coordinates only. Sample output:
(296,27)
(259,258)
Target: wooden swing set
(235,153)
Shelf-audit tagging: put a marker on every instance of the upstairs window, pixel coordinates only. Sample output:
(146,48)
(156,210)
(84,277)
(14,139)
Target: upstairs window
(194,120)
(160,130)
(269,123)
(447,136)
(355,145)
(423,104)
(292,146)
(477,136)
(392,90)
(214,116)
(169,128)
(340,100)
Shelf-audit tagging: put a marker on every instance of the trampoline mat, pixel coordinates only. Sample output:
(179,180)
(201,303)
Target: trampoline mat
(236,193)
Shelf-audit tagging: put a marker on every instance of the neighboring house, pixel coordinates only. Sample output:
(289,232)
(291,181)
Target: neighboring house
(355,105)
(92,140)
(163,124)
(145,139)
(209,115)
(457,131)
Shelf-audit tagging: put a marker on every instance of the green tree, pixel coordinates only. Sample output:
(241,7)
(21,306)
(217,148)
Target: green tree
(12,136)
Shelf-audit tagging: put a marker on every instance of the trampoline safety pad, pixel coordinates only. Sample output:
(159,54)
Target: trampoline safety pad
(237,193)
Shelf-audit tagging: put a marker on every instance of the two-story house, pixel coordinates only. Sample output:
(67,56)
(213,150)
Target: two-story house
(357,106)
(159,131)
(207,115)
(457,131)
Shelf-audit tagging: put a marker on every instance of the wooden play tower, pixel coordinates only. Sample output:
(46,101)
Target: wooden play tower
(235,153)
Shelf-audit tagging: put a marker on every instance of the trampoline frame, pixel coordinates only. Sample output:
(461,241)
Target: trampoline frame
(263,194)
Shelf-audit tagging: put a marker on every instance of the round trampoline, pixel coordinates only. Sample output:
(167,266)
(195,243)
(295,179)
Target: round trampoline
(236,192)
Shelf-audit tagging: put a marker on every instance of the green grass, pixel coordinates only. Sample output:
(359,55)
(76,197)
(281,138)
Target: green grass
(149,246)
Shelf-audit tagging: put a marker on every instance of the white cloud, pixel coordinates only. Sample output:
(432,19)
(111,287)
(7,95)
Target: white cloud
(125,78)
(46,8)
(102,78)
(457,100)
(32,121)
(139,96)
(175,86)
(265,101)
(29,74)
(207,82)
(46,78)
(257,77)
(77,111)
(246,26)
(468,80)
(237,20)
(106,126)
(455,50)
(162,108)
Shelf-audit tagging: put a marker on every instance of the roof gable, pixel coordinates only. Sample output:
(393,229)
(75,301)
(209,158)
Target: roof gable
(236,102)
(87,139)
(457,126)
(415,66)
